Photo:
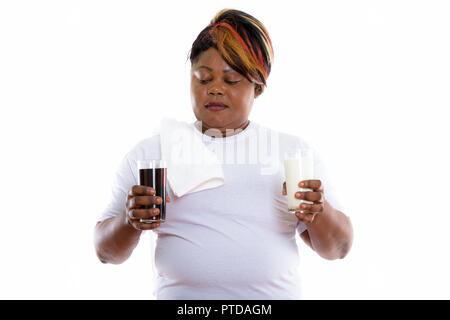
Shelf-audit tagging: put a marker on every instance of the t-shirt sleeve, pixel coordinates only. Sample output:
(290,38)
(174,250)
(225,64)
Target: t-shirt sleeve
(124,179)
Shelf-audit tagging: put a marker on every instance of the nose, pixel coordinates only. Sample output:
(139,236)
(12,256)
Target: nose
(215,89)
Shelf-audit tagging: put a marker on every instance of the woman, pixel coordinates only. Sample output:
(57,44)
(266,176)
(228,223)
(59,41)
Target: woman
(236,241)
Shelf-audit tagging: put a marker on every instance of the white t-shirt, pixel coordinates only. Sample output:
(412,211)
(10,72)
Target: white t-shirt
(236,241)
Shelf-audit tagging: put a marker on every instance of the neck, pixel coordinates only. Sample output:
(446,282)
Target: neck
(220,132)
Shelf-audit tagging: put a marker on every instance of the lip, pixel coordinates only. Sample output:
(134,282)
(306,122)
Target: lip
(215,106)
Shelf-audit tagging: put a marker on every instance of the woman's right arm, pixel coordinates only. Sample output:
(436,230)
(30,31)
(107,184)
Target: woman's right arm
(115,238)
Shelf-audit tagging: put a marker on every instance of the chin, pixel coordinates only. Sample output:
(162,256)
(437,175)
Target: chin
(212,121)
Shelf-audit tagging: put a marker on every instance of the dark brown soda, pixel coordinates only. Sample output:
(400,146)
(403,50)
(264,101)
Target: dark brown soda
(155,178)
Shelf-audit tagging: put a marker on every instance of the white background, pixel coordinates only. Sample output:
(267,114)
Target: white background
(365,82)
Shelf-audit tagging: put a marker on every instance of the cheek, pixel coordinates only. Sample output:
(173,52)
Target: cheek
(196,93)
(244,97)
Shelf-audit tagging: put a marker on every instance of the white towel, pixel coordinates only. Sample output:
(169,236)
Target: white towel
(191,166)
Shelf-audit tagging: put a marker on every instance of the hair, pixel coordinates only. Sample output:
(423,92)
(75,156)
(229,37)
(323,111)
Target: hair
(242,41)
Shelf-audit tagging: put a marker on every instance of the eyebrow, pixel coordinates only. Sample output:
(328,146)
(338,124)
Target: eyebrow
(209,69)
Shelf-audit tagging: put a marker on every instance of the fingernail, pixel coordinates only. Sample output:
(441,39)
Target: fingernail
(302,184)
(298,194)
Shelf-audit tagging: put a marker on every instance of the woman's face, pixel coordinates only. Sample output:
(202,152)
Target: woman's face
(213,81)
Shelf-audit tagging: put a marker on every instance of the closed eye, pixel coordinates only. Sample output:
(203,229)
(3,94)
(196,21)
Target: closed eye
(226,81)
(232,82)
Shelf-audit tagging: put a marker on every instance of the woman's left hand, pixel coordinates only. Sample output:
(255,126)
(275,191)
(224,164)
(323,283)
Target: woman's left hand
(307,211)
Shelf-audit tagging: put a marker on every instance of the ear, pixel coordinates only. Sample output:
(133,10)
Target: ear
(258,90)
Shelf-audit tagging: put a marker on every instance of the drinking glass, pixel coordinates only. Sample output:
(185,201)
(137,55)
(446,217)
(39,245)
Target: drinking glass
(298,166)
(153,173)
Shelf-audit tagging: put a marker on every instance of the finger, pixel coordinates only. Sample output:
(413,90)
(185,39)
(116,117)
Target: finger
(311,208)
(137,214)
(284,192)
(145,225)
(310,196)
(149,226)
(141,191)
(140,201)
(304,217)
(315,185)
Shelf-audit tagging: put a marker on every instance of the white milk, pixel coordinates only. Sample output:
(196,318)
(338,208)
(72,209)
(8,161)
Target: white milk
(297,167)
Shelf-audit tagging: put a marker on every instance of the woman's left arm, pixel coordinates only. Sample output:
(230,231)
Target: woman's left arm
(329,231)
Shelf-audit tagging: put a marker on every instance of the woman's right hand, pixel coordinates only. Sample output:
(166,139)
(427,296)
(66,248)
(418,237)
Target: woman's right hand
(138,200)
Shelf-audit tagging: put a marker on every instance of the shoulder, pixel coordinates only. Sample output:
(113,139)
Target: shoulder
(148,148)
(285,139)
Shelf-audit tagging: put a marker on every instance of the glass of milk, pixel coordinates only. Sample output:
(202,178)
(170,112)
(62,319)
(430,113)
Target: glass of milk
(298,166)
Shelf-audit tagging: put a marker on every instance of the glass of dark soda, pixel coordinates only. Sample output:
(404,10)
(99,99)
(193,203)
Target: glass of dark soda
(153,173)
